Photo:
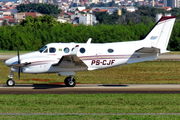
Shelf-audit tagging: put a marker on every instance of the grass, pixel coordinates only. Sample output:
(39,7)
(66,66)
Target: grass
(173,53)
(92,117)
(151,72)
(90,103)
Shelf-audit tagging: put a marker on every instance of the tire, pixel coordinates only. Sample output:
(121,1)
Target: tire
(68,82)
(10,82)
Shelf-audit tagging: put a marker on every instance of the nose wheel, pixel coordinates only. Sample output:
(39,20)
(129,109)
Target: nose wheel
(70,81)
(10,82)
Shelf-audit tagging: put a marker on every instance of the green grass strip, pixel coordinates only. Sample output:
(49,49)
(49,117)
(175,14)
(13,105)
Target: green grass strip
(92,117)
(90,103)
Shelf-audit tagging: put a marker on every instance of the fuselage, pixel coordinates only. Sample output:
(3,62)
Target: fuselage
(95,56)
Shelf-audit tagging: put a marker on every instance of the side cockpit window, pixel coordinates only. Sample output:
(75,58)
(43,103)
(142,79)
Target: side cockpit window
(43,49)
(52,50)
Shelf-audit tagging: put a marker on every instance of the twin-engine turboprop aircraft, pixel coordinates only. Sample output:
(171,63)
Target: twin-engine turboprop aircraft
(67,58)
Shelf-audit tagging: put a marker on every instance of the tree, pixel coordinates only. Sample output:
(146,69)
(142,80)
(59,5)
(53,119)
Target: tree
(5,23)
(37,22)
(41,8)
(105,18)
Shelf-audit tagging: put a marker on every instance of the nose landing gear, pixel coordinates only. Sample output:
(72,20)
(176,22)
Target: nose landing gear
(10,81)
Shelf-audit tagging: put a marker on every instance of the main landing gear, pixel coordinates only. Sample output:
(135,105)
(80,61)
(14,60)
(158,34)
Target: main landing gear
(10,81)
(70,81)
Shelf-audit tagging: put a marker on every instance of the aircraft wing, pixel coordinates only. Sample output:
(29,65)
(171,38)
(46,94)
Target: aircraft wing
(70,61)
(148,50)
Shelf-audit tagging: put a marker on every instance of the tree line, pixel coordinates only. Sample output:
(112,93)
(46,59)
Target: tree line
(33,33)
(48,9)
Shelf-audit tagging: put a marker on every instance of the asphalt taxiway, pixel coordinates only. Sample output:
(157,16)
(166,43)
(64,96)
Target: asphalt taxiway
(91,89)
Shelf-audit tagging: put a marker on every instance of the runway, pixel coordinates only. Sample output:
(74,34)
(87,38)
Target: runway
(91,89)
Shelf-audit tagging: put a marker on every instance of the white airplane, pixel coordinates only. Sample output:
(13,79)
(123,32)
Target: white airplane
(67,58)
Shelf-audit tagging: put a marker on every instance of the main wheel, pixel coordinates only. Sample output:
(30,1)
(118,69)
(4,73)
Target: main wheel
(70,83)
(10,82)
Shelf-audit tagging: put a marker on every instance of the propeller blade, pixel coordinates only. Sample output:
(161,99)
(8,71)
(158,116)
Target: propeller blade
(19,68)
(18,55)
(19,71)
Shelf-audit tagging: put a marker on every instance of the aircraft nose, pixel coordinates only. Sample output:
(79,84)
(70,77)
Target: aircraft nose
(7,63)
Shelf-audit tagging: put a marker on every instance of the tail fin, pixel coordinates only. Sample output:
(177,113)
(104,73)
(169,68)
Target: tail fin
(159,35)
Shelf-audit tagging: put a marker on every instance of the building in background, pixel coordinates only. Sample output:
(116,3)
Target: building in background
(171,3)
(87,19)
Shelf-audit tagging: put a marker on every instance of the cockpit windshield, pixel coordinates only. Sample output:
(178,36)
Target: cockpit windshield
(42,49)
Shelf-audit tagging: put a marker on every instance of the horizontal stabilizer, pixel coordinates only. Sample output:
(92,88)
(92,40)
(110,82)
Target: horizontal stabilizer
(144,54)
(148,50)
(71,61)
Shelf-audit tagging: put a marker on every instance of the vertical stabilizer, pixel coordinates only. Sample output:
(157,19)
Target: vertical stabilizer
(160,34)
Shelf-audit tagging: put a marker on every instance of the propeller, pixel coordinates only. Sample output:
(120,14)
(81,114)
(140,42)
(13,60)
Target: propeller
(19,68)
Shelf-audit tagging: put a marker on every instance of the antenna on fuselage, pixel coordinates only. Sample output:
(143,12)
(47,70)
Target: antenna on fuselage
(89,41)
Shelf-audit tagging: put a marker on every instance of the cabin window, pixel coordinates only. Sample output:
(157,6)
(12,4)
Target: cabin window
(82,50)
(66,50)
(52,50)
(110,50)
(72,49)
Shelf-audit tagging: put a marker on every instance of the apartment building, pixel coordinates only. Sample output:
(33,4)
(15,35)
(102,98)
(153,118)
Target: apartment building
(171,3)
(87,19)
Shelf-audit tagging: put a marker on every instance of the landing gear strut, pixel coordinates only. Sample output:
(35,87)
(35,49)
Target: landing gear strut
(70,81)
(10,81)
